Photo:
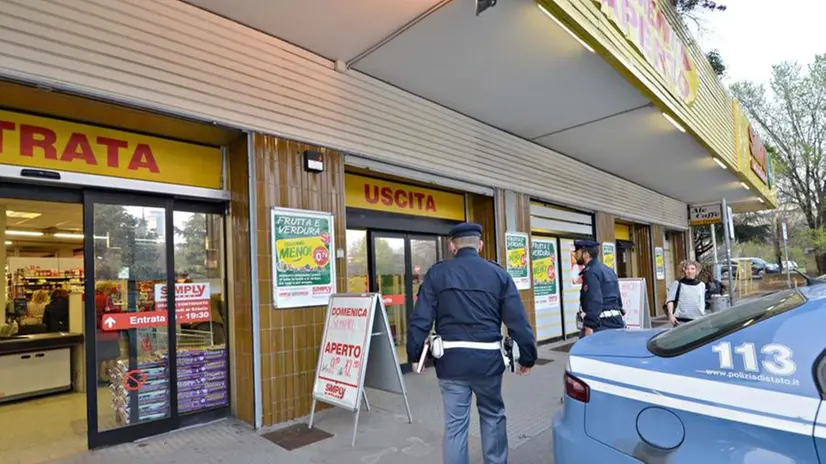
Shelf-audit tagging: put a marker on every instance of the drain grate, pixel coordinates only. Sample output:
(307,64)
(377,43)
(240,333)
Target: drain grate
(296,436)
(543,361)
(564,348)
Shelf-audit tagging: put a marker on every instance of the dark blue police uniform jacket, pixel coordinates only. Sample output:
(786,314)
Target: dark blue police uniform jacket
(600,292)
(469,298)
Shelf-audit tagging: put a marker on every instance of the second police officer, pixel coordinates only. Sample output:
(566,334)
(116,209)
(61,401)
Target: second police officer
(599,296)
(469,298)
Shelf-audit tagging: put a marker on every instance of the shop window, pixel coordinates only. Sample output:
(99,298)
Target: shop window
(202,333)
(357,272)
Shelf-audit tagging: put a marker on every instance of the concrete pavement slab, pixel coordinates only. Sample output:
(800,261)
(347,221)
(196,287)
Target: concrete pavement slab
(384,434)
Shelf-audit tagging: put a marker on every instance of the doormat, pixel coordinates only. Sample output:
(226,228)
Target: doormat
(296,436)
(564,348)
(543,361)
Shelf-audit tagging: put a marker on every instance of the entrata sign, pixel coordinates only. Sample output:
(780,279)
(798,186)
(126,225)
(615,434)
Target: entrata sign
(706,214)
(192,305)
(51,144)
(380,195)
(644,25)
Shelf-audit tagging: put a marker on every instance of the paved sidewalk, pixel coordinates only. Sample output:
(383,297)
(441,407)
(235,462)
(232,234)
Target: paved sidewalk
(384,434)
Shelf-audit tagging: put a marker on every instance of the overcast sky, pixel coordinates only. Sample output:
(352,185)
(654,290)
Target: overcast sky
(752,35)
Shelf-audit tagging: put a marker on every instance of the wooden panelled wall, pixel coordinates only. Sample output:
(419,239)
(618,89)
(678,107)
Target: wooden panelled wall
(240,286)
(658,237)
(678,249)
(480,210)
(290,338)
(606,232)
(643,250)
(523,224)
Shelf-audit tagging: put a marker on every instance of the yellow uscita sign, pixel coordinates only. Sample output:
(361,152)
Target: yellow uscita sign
(298,253)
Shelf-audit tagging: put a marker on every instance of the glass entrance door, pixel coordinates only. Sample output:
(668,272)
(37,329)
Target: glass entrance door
(399,263)
(130,341)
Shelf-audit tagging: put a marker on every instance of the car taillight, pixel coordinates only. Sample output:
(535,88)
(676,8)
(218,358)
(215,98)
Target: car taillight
(577,389)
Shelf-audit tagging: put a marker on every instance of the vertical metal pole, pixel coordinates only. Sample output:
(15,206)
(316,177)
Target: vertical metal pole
(786,253)
(366,403)
(714,243)
(355,427)
(312,414)
(727,233)
(254,283)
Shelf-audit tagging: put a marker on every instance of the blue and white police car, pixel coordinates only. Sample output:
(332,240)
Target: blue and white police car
(744,385)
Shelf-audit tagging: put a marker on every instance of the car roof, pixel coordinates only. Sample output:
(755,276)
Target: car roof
(814,292)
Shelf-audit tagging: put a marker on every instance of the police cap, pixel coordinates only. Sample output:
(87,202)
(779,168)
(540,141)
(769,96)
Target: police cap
(580,244)
(466,229)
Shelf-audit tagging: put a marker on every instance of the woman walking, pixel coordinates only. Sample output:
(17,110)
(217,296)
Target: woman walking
(687,297)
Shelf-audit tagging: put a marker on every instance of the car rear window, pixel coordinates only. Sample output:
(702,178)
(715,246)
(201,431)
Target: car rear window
(689,336)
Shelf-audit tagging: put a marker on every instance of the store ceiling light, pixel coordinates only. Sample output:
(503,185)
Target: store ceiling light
(760,200)
(720,163)
(565,28)
(8,242)
(22,215)
(745,186)
(68,235)
(24,233)
(673,122)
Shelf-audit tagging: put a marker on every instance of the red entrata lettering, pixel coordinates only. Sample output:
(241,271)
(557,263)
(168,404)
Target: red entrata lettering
(343,349)
(4,126)
(399,198)
(113,147)
(32,137)
(78,148)
(42,141)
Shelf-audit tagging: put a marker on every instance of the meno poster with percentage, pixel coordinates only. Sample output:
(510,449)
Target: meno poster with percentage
(303,258)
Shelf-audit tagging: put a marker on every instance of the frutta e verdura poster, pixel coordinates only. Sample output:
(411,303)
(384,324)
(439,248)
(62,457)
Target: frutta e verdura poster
(303,258)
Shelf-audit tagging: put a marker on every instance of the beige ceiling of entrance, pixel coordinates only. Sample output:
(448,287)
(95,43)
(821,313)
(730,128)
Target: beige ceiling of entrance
(513,68)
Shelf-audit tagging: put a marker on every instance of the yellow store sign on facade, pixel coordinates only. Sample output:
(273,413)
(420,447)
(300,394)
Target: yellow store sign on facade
(647,27)
(52,144)
(381,195)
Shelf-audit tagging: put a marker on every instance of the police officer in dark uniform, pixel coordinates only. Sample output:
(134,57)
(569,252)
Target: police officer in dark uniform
(469,298)
(599,296)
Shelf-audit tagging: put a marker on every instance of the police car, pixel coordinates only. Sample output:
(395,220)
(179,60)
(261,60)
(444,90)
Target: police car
(745,385)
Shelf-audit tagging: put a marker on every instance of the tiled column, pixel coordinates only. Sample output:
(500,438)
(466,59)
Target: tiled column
(290,338)
(513,213)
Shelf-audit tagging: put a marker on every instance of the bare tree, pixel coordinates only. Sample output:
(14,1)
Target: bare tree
(791,115)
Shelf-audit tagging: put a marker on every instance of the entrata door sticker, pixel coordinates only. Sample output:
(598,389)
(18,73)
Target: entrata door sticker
(192,305)
(303,258)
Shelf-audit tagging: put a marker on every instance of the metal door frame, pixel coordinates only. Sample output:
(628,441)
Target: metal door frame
(132,432)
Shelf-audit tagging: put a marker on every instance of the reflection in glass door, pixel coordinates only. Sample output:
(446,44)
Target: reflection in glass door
(130,340)
(400,263)
(390,261)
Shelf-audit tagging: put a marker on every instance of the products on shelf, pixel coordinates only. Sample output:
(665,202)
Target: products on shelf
(202,384)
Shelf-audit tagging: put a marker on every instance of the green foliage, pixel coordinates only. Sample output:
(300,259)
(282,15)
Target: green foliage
(716,61)
(791,117)
(191,249)
(687,6)
(124,241)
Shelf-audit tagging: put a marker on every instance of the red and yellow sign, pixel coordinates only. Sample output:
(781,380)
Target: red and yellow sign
(644,25)
(759,156)
(381,195)
(44,143)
